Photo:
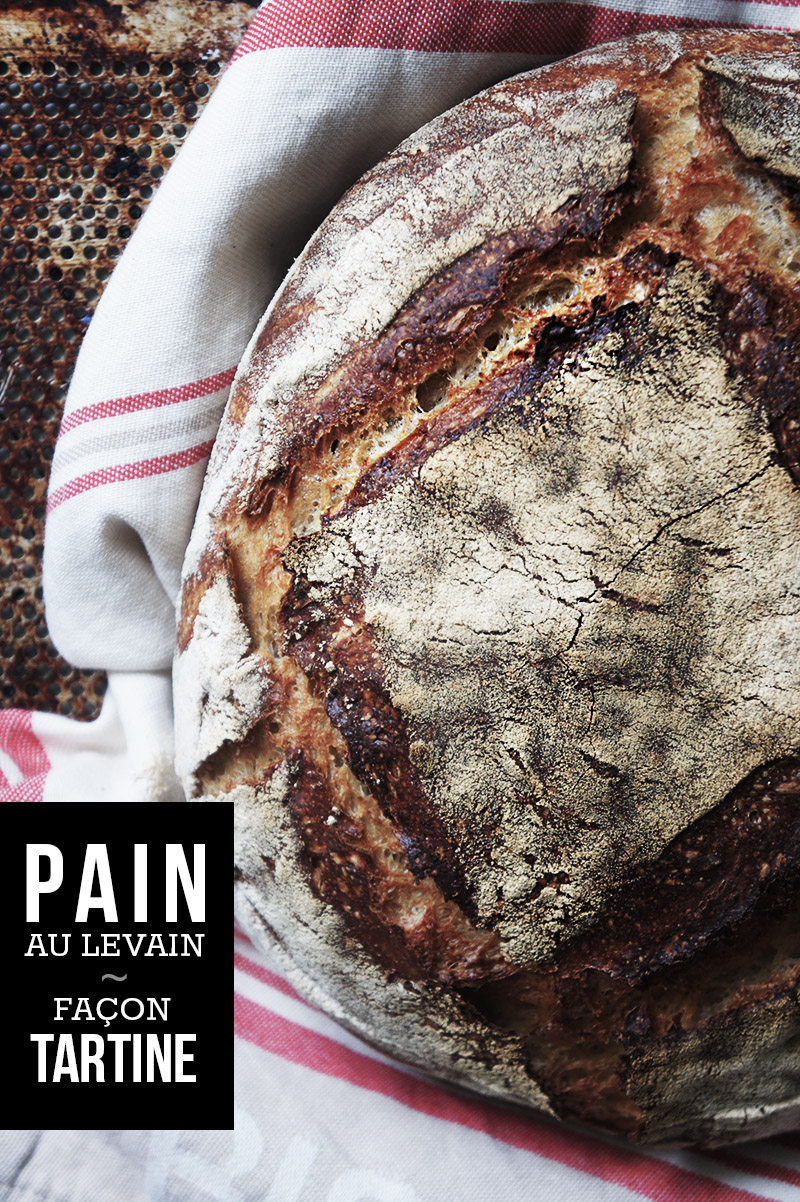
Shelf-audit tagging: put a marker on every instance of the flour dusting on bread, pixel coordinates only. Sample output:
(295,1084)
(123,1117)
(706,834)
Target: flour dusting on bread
(490,628)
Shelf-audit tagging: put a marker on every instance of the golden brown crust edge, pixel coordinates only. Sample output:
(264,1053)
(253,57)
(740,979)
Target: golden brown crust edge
(468,811)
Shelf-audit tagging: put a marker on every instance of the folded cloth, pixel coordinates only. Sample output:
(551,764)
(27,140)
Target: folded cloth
(315,95)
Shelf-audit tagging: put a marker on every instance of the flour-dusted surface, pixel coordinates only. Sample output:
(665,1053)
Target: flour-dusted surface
(591,653)
(222,686)
(491,615)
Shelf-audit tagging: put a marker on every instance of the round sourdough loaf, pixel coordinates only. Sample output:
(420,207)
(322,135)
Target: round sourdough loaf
(490,626)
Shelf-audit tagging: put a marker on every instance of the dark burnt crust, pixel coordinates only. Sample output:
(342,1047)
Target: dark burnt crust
(713,875)
(347,673)
(437,322)
(514,388)
(587,1031)
(349,872)
(340,869)
(761,333)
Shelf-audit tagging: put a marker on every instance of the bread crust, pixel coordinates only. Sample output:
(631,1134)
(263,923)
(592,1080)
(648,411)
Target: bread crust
(490,625)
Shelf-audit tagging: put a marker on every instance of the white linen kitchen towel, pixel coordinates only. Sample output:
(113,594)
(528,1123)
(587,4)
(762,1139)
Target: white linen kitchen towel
(316,93)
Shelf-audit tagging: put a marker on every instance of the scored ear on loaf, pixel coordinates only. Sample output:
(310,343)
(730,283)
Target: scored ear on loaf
(490,623)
